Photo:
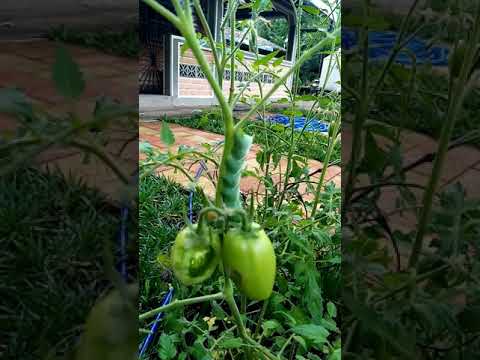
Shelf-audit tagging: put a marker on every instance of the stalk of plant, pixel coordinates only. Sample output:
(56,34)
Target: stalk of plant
(365,96)
(459,88)
(183,21)
(333,137)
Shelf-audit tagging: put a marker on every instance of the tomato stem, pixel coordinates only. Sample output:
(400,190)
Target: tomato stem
(180,303)
(228,295)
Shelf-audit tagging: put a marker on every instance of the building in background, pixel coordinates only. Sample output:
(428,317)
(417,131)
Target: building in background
(169,79)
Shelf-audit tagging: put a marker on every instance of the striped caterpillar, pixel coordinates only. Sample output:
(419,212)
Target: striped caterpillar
(233,169)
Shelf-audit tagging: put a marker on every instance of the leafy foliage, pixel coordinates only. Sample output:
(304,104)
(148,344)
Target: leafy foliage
(408,288)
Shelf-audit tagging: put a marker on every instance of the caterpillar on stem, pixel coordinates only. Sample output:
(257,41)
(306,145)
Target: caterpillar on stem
(233,169)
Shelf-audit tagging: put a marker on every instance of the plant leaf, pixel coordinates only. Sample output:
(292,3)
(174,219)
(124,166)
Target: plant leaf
(67,76)
(13,101)
(166,348)
(312,10)
(315,333)
(166,134)
(265,59)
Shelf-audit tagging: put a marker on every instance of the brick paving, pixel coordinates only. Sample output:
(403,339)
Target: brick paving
(150,131)
(27,65)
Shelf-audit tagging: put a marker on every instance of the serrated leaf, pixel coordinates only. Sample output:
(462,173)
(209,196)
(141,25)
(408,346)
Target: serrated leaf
(265,59)
(67,76)
(166,348)
(166,134)
(315,333)
(397,337)
(230,342)
(269,327)
(313,294)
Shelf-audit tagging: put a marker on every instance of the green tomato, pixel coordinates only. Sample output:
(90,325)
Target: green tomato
(195,254)
(111,329)
(249,259)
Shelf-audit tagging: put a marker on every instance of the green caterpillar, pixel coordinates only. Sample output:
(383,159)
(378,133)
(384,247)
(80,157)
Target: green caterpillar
(233,169)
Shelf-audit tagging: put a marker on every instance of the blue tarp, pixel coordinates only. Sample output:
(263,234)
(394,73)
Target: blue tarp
(381,44)
(314,125)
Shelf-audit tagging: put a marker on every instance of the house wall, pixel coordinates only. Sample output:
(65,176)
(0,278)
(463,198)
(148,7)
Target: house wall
(192,83)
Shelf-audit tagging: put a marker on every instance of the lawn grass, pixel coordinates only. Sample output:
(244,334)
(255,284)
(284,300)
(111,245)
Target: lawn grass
(52,231)
(311,145)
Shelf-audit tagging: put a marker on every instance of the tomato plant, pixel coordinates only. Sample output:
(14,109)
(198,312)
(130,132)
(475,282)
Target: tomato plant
(266,300)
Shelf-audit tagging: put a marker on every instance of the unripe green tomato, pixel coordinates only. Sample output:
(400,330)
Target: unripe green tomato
(111,329)
(249,259)
(195,256)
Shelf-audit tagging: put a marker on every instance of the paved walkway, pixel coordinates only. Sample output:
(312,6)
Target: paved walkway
(150,131)
(462,166)
(27,65)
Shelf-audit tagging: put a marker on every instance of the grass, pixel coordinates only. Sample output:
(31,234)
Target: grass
(51,265)
(311,145)
(121,43)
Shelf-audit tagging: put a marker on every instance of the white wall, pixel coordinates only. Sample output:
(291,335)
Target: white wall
(334,74)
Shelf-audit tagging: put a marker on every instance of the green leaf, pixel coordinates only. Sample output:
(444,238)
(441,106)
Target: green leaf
(311,10)
(240,56)
(67,76)
(261,5)
(278,62)
(13,101)
(270,326)
(315,333)
(397,337)
(313,293)
(265,59)
(331,309)
(166,348)
(166,134)
(145,147)
(230,342)
(301,341)
(306,98)
(335,355)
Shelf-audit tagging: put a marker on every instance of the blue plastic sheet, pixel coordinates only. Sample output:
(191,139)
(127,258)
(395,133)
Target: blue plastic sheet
(381,44)
(314,125)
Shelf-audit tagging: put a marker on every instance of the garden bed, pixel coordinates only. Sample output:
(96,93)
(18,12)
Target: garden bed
(299,296)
